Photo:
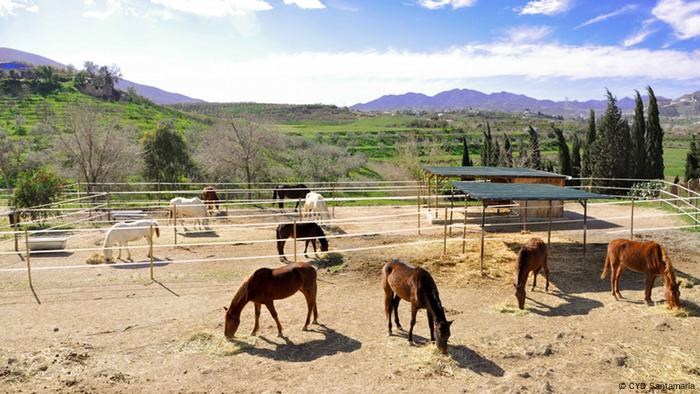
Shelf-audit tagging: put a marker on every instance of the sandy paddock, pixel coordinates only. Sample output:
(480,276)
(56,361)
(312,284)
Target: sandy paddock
(110,329)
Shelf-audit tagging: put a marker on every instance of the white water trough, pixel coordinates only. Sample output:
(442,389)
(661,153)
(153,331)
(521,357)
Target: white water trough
(48,242)
(128,215)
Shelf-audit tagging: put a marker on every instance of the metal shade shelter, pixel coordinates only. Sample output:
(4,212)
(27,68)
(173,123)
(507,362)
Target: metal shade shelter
(483,191)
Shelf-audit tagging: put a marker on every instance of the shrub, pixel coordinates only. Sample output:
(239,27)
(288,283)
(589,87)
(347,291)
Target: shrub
(38,187)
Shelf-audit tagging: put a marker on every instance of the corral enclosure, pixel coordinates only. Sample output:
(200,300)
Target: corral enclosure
(109,327)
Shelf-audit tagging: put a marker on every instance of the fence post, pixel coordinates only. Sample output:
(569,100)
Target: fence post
(29,265)
(632,221)
(452,207)
(333,199)
(295,241)
(418,201)
(174,207)
(150,251)
(549,225)
(444,235)
(15,220)
(226,202)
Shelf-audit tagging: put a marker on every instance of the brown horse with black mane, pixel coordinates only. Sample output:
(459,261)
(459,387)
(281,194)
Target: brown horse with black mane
(304,230)
(401,280)
(289,191)
(531,258)
(266,285)
(648,257)
(211,199)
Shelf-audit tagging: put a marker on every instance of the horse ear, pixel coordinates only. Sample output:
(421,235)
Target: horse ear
(514,285)
(449,323)
(225,308)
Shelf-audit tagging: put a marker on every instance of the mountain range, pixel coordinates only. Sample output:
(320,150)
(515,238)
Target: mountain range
(158,96)
(459,99)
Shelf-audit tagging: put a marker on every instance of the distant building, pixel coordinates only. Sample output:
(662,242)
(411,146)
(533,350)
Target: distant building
(7,66)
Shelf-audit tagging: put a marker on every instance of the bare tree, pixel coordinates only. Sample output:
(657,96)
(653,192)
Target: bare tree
(97,148)
(11,151)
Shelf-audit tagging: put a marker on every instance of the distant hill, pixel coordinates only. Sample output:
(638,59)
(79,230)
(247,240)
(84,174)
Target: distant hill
(687,106)
(457,99)
(158,96)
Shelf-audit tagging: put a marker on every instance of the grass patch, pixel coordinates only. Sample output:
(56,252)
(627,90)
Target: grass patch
(208,343)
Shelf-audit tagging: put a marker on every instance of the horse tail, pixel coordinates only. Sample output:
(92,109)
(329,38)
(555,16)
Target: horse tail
(274,196)
(280,240)
(606,266)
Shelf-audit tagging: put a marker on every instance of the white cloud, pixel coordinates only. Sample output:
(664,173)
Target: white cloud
(109,9)
(600,18)
(306,4)
(546,7)
(682,16)
(215,8)
(527,34)
(351,77)
(10,7)
(436,4)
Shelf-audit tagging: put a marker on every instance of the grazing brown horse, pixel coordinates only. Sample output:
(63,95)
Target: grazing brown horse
(304,230)
(266,285)
(531,258)
(648,257)
(211,199)
(401,280)
(289,191)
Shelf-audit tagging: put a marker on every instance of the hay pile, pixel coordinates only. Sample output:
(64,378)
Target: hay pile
(95,259)
(208,343)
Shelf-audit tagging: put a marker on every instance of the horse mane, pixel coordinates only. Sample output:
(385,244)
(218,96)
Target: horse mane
(431,291)
(322,238)
(242,293)
(520,264)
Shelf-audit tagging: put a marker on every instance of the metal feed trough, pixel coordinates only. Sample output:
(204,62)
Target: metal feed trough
(55,242)
(128,215)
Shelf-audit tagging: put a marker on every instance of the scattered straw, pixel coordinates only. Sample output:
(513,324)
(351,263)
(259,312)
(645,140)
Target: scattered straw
(95,259)
(505,307)
(663,364)
(218,345)
(431,359)
(662,309)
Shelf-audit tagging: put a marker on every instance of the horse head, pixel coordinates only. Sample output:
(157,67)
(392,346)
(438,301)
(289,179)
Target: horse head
(672,293)
(231,322)
(520,295)
(324,243)
(442,335)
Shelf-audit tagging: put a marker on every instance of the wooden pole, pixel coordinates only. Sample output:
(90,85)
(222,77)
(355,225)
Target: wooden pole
(444,235)
(226,202)
(452,206)
(525,218)
(333,199)
(295,241)
(632,221)
(429,189)
(29,265)
(585,227)
(150,250)
(464,228)
(175,222)
(483,219)
(418,204)
(549,225)
(437,204)
(15,219)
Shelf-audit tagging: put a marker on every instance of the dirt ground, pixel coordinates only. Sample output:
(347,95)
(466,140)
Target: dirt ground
(111,329)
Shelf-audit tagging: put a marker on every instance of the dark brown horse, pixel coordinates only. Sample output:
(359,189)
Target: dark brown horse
(289,191)
(531,258)
(401,280)
(266,285)
(647,257)
(211,199)
(304,230)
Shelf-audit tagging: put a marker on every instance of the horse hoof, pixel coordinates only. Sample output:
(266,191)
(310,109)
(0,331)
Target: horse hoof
(280,335)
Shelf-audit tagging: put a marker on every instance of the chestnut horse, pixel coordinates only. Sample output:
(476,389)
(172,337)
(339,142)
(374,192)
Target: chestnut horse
(304,230)
(266,285)
(531,258)
(401,280)
(289,191)
(648,257)
(211,199)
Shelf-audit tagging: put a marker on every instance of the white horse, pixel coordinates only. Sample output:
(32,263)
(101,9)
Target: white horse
(315,208)
(194,207)
(124,232)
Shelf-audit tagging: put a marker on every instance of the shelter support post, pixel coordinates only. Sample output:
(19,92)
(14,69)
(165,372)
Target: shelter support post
(295,240)
(525,218)
(549,225)
(150,250)
(333,199)
(464,228)
(418,205)
(27,256)
(585,226)
(437,203)
(452,207)
(444,235)
(483,219)
(175,222)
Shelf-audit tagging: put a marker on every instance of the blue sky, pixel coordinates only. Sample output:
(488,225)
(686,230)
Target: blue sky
(348,51)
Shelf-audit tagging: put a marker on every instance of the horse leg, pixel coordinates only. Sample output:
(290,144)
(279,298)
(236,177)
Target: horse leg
(648,285)
(306,246)
(309,309)
(119,255)
(620,270)
(128,252)
(546,276)
(388,306)
(396,300)
(271,307)
(258,306)
(431,325)
(414,311)
(534,278)
(313,242)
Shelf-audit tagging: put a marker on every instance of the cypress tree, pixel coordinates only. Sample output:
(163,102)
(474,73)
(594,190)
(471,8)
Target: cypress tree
(535,159)
(611,149)
(507,154)
(466,161)
(692,161)
(563,155)
(576,157)
(638,154)
(487,150)
(654,140)
(589,146)
(496,159)
(549,166)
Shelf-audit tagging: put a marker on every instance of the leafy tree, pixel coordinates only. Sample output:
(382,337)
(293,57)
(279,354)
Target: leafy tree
(576,158)
(165,154)
(507,153)
(654,140)
(12,149)
(535,157)
(588,147)
(466,160)
(38,187)
(692,161)
(563,155)
(638,153)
